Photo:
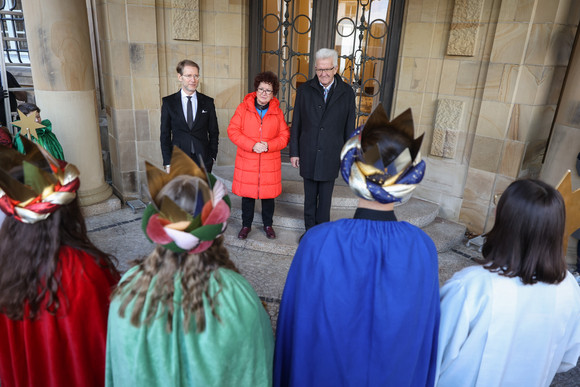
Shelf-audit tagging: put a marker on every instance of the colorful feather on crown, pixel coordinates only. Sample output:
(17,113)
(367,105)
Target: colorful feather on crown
(35,184)
(368,174)
(176,229)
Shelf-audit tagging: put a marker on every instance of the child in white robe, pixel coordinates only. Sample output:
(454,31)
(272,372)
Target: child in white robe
(515,320)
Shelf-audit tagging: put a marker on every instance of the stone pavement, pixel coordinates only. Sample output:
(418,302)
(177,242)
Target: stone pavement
(119,233)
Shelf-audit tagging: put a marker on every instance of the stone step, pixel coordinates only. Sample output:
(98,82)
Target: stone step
(291,215)
(293,192)
(285,243)
(445,234)
(342,197)
(293,188)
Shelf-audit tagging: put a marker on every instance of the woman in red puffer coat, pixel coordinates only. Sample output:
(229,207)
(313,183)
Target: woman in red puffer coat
(260,132)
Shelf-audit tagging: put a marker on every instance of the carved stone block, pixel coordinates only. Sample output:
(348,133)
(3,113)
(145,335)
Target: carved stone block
(449,114)
(464,27)
(447,128)
(185,16)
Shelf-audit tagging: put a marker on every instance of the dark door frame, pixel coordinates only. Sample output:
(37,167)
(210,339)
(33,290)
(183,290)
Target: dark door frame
(324,36)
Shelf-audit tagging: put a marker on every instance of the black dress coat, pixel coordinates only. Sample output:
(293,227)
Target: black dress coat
(319,130)
(202,139)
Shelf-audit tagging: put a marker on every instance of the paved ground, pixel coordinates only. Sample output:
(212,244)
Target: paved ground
(119,233)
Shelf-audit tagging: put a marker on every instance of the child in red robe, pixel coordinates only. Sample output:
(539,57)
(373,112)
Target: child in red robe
(54,283)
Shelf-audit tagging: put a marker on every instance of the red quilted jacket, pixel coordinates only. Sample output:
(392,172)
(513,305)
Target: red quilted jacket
(258,175)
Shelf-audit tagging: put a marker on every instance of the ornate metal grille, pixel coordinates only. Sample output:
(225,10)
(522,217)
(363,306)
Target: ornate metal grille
(366,34)
(286,47)
(360,40)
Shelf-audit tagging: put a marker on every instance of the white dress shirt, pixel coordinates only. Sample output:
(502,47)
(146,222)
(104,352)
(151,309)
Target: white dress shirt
(326,89)
(184,103)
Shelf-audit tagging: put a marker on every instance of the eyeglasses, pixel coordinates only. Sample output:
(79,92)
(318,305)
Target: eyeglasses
(189,76)
(265,91)
(320,71)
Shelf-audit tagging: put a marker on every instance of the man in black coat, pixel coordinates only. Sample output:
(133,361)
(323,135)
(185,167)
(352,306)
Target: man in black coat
(324,117)
(188,119)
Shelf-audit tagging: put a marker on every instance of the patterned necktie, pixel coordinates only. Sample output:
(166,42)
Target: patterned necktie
(189,113)
(326,93)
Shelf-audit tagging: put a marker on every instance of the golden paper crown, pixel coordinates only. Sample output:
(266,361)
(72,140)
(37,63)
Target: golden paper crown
(167,224)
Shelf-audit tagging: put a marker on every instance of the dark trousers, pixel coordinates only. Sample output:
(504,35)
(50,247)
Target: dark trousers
(317,200)
(248,211)
(208,165)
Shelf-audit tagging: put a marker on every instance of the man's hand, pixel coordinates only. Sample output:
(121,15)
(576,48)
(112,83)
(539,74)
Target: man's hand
(295,161)
(167,168)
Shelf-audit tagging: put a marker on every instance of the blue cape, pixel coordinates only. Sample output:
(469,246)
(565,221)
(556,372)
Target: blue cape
(360,307)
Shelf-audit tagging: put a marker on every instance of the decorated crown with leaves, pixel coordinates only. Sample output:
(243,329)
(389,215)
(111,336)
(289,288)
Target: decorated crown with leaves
(169,225)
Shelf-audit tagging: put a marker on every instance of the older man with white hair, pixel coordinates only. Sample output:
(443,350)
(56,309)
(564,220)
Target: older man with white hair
(324,117)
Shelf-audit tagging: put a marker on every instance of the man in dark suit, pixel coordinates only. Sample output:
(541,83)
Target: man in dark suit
(188,120)
(324,117)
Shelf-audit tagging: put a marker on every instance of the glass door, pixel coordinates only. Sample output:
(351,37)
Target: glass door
(285,34)
(286,42)
(361,33)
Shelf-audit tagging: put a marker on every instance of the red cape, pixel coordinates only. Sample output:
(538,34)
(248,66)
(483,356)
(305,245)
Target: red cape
(66,349)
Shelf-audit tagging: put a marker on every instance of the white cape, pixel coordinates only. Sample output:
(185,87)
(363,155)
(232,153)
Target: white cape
(496,331)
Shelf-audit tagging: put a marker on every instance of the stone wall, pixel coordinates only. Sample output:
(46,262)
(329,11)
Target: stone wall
(565,138)
(221,52)
(483,79)
(141,42)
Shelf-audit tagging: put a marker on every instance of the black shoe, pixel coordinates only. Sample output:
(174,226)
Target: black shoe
(270,234)
(243,234)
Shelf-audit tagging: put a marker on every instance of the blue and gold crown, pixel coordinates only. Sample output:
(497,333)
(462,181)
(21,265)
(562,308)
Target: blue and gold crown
(390,166)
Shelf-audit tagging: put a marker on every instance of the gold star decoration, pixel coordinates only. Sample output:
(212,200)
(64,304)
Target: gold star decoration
(28,125)
(572,202)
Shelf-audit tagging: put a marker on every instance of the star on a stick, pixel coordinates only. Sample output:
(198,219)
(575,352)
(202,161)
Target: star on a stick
(572,202)
(28,125)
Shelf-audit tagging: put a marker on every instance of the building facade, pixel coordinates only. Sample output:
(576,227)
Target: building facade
(492,83)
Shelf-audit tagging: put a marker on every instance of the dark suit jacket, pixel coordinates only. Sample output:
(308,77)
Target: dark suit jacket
(201,140)
(319,129)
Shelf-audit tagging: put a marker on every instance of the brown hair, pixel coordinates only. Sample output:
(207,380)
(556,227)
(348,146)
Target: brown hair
(186,62)
(28,107)
(163,264)
(196,271)
(29,258)
(526,240)
(267,77)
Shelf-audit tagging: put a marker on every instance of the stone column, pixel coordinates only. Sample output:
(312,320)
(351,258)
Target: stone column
(64,86)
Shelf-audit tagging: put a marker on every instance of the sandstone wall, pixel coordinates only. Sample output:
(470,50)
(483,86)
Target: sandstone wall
(141,42)
(483,78)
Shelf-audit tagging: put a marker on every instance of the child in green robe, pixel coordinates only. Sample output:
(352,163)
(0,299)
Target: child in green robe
(46,138)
